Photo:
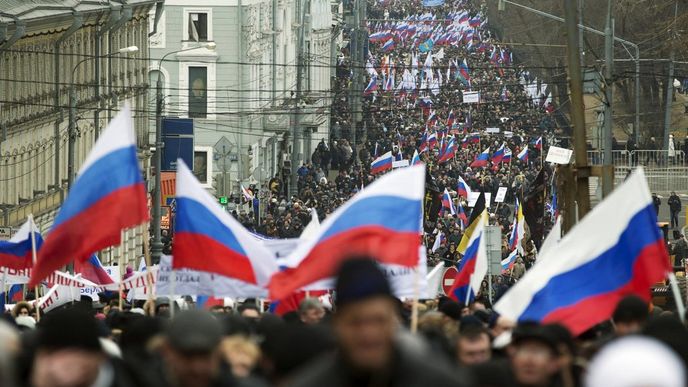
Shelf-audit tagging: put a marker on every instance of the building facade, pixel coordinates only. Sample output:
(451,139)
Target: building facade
(42,45)
(242,93)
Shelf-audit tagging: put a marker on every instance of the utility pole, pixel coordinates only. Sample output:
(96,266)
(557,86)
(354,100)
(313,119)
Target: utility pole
(357,45)
(577,113)
(296,130)
(669,99)
(607,169)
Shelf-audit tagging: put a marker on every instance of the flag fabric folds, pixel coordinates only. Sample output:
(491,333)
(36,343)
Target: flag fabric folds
(93,270)
(207,238)
(463,188)
(508,262)
(482,159)
(616,250)
(473,266)
(108,195)
(523,154)
(472,223)
(382,163)
(383,221)
(16,253)
(415,160)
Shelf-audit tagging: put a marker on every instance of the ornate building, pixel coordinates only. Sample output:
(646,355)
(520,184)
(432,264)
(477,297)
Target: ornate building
(242,92)
(42,44)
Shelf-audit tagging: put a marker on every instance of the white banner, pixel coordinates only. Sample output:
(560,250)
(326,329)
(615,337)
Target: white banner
(473,197)
(471,97)
(558,155)
(501,195)
(197,283)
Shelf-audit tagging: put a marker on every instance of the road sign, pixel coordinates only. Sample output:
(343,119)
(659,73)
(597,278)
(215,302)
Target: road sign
(448,279)
(172,203)
(223,200)
(5,233)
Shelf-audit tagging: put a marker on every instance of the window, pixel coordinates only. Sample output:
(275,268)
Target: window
(203,165)
(198,92)
(198,26)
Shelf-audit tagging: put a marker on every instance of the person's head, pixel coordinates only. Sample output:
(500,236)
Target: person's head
(21,308)
(162,306)
(311,311)
(249,311)
(191,352)
(67,339)
(366,321)
(473,346)
(533,355)
(241,353)
(630,315)
(636,361)
(673,193)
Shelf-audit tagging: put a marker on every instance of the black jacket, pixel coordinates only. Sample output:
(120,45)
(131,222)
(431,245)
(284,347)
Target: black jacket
(410,369)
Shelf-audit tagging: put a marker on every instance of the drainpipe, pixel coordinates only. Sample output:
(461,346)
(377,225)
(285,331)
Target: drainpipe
(125,16)
(77,23)
(112,20)
(19,31)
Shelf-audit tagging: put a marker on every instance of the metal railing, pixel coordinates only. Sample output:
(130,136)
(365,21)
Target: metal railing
(664,172)
(648,158)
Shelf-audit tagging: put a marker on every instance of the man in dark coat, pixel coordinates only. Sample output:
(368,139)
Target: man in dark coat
(674,203)
(367,330)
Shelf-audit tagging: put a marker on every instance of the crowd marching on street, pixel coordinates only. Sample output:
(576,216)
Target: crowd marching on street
(453,140)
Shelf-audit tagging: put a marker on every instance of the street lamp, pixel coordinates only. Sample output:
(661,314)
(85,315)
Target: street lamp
(72,110)
(156,246)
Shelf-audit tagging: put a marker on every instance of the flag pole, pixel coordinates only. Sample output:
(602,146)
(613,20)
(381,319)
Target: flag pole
(173,285)
(121,269)
(147,259)
(416,296)
(680,307)
(470,288)
(4,287)
(33,258)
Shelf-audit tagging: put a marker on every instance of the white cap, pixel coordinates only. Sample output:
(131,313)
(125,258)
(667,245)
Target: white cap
(636,361)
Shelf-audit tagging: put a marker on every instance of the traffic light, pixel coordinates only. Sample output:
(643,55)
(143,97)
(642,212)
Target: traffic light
(223,200)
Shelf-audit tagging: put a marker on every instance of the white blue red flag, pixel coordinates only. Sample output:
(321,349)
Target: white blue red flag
(207,238)
(473,266)
(108,196)
(382,163)
(614,251)
(383,221)
(523,154)
(16,253)
(482,159)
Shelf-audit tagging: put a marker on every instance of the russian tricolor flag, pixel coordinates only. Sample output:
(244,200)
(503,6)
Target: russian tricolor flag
(508,262)
(449,151)
(432,140)
(382,163)
(93,270)
(615,251)
(473,266)
(372,86)
(207,238)
(107,197)
(463,219)
(383,221)
(523,155)
(16,253)
(498,155)
(482,159)
(507,155)
(538,143)
(448,203)
(415,160)
(450,119)
(463,188)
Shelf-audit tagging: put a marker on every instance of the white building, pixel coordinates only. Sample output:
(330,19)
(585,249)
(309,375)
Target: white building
(41,43)
(243,90)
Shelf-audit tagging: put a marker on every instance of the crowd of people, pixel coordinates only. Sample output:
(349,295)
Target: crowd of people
(362,335)
(365,337)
